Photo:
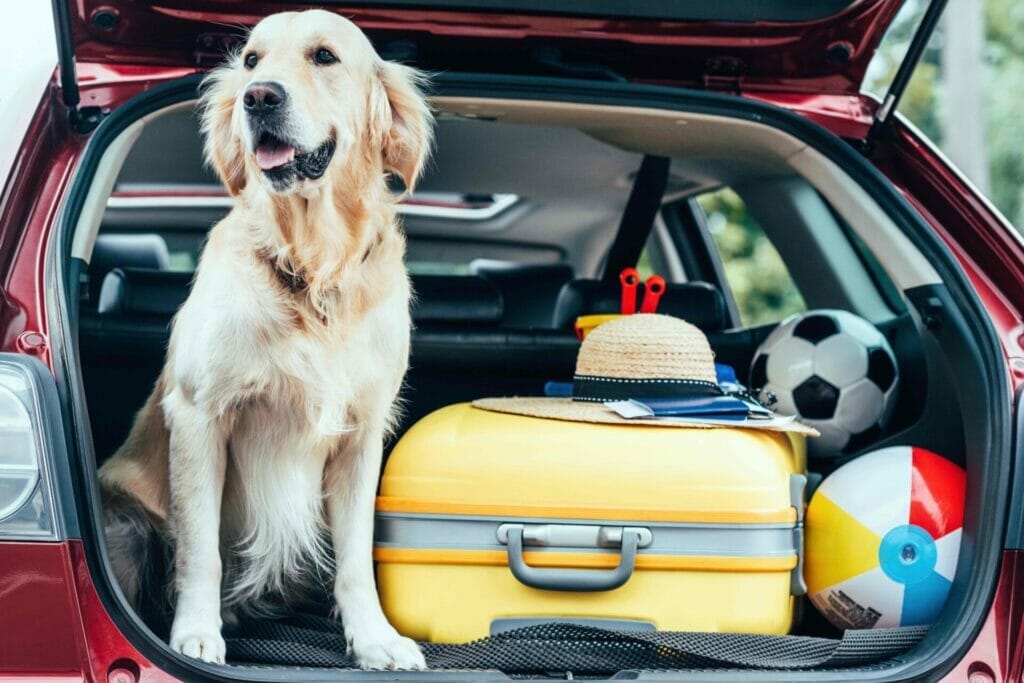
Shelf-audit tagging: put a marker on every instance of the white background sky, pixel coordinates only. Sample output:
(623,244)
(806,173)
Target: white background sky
(28,56)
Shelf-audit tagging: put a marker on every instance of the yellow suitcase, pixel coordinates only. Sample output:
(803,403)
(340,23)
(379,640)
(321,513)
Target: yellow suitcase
(488,521)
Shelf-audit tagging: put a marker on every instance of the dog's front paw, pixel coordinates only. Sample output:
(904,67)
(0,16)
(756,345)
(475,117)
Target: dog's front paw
(386,651)
(199,643)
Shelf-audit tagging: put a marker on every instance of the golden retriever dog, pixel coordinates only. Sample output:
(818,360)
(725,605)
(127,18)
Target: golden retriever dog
(259,450)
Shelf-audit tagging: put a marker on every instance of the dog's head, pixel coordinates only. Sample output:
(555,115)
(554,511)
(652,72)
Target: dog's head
(308,97)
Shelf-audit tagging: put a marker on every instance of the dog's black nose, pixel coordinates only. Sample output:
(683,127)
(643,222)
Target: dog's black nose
(263,96)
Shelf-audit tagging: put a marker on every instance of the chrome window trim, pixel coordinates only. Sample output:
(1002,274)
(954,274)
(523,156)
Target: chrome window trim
(501,202)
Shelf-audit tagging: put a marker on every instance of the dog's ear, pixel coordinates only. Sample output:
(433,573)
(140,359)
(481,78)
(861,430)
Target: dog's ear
(222,146)
(402,122)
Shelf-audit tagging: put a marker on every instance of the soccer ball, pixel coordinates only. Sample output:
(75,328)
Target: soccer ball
(835,371)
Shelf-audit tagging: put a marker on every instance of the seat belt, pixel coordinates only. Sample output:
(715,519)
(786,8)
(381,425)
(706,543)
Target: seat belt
(638,218)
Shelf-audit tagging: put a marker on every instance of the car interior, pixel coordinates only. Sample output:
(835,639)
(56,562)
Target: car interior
(513,233)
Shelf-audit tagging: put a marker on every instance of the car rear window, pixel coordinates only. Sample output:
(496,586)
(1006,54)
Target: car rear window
(760,282)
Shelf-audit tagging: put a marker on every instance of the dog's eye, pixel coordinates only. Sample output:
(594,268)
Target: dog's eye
(323,56)
(250,60)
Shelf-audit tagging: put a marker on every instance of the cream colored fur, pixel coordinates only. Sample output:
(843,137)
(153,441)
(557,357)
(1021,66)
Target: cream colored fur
(261,444)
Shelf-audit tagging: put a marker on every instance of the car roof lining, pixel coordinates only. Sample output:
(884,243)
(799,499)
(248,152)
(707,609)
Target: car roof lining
(705,149)
(694,137)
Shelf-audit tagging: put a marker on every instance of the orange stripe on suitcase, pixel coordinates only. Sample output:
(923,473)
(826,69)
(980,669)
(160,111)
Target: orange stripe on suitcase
(582,560)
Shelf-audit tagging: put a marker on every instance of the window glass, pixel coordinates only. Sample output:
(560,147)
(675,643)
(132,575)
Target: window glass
(644,265)
(967,92)
(437,268)
(654,261)
(183,250)
(183,261)
(184,245)
(427,256)
(759,280)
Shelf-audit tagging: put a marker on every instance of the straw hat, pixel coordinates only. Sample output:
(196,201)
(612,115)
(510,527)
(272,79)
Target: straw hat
(635,356)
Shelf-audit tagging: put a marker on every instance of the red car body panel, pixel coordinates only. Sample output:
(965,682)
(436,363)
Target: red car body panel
(106,646)
(55,626)
(996,651)
(828,55)
(41,622)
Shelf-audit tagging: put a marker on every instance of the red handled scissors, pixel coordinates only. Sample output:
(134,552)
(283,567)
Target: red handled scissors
(653,289)
(629,279)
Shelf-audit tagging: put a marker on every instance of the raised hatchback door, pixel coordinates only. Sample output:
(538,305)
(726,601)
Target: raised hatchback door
(821,46)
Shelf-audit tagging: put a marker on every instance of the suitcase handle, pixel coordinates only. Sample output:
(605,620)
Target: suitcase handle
(577,580)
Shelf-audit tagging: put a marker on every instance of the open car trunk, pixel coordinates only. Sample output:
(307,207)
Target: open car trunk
(821,47)
(953,397)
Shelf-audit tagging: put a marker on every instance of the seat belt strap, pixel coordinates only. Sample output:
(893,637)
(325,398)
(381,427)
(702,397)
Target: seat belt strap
(638,218)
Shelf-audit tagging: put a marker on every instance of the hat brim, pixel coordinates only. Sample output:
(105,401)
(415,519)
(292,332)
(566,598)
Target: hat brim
(583,411)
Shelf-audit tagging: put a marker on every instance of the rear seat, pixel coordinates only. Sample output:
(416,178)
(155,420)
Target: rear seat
(529,290)
(111,251)
(151,297)
(124,340)
(143,292)
(447,300)
(461,349)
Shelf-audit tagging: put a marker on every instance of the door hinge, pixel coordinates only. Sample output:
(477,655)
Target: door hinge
(724,74)
(213,48)
(85,119)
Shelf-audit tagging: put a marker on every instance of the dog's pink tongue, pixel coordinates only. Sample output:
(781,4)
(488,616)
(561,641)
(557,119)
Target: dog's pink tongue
(274,155)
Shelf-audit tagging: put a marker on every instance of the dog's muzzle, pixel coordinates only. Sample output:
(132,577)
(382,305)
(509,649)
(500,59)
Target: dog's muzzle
(279,158)
(282,164)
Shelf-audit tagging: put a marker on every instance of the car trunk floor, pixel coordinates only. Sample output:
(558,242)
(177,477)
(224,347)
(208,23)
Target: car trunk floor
(317,641)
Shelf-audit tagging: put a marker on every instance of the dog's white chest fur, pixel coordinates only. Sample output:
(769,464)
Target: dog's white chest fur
(294,400)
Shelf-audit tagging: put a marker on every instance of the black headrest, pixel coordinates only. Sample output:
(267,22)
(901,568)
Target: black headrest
(696,302)
(143,291)
(147,250)
(455,299)
(529,290)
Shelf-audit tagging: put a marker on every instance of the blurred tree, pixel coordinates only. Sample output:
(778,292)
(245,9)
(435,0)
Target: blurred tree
(1004,87)
(1003,74)
(963,75)
(760,283)
(921,101)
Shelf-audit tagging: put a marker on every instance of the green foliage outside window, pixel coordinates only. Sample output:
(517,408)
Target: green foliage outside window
(760,283)
(1002,74)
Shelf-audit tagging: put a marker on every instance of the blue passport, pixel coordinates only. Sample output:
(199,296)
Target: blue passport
(709,406)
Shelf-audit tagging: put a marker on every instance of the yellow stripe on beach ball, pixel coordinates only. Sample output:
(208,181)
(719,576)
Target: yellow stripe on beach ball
(838,546)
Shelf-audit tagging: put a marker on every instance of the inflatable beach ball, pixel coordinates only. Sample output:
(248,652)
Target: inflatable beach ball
(882,539)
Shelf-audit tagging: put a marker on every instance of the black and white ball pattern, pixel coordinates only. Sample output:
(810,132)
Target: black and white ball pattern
(834,370)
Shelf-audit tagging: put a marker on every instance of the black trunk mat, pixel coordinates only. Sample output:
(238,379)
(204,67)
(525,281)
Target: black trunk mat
(309,640)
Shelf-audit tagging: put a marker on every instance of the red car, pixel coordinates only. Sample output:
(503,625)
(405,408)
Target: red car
(545,112)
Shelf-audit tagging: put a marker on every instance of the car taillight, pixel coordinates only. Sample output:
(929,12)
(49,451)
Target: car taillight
(28,510)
